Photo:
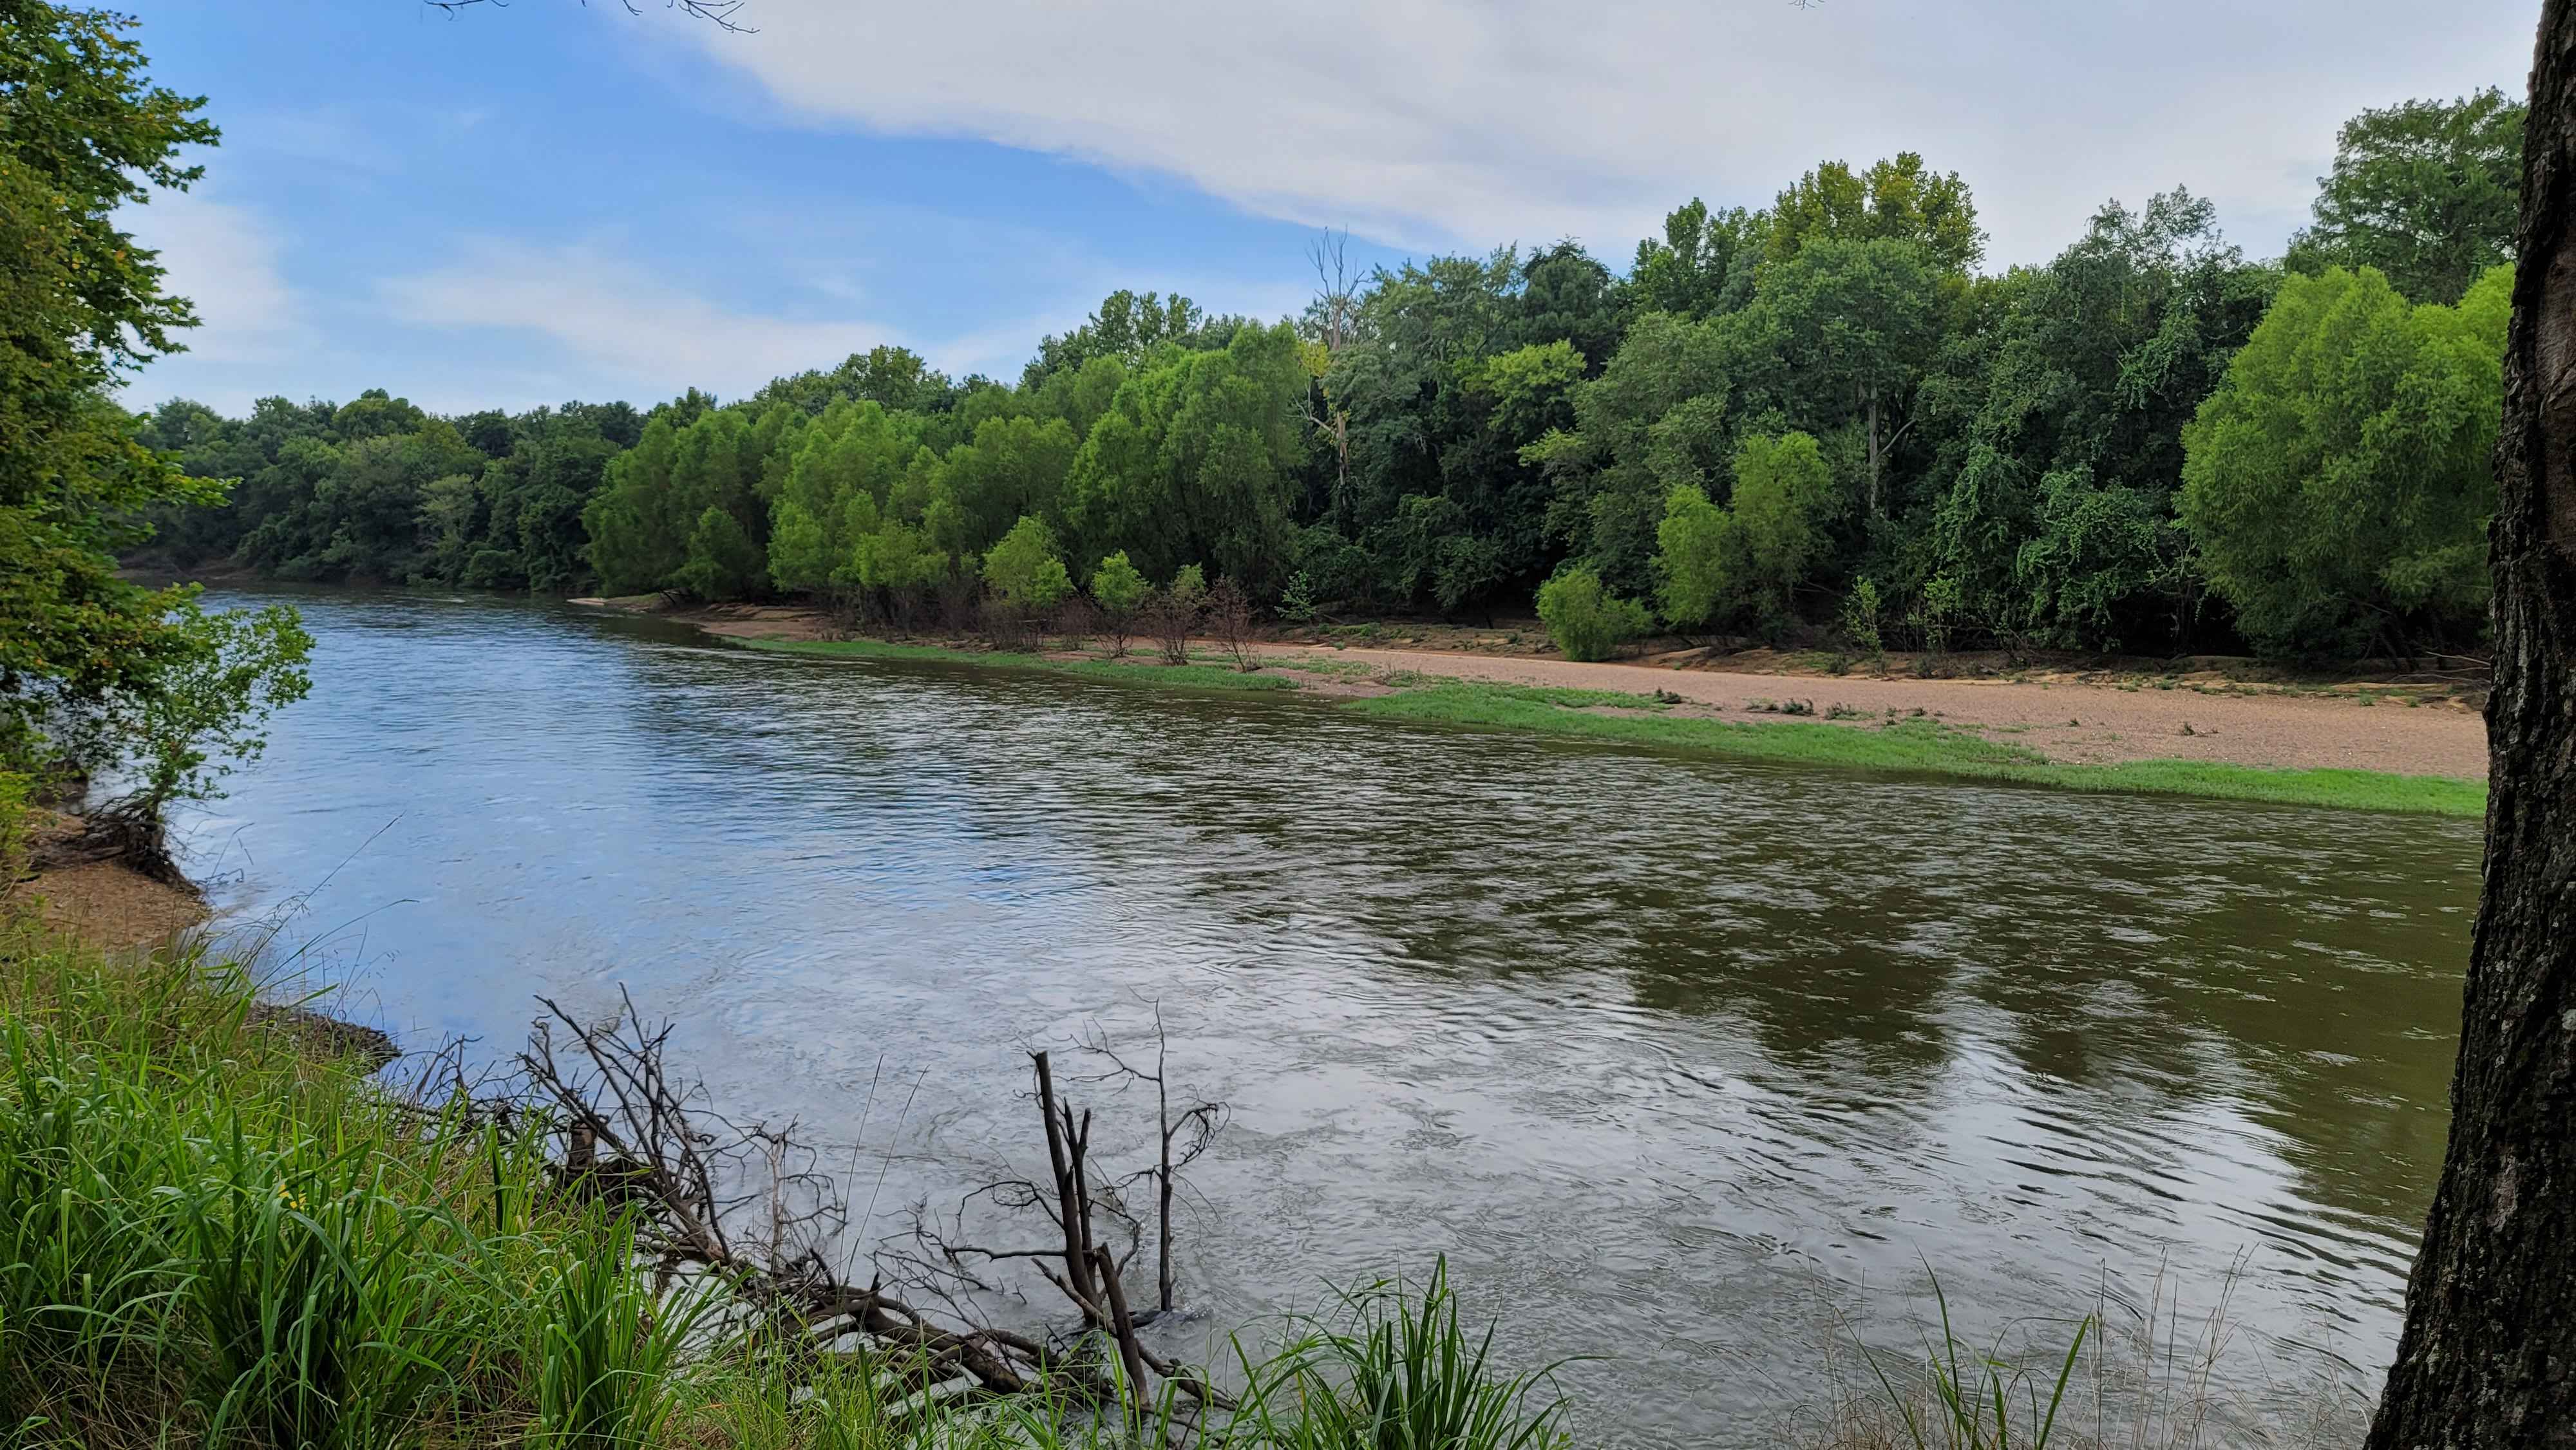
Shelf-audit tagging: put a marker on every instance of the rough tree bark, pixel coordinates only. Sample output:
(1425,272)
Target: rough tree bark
(2488,1355)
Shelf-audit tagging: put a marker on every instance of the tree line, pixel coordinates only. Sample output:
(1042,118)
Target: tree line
(1820,418)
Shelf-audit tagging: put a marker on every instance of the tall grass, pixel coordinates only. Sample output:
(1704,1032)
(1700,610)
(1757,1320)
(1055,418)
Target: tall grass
(212,1237)
(1396,1369)
(1989,1403)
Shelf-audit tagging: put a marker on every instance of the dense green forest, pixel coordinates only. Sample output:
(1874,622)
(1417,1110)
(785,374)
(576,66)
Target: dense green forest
(1820,419)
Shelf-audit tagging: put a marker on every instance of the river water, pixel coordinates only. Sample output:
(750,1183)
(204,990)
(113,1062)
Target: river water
(1679,1061)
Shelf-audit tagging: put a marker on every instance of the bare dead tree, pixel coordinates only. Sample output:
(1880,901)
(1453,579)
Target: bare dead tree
(1229,612)
(1332,320)
(627,1131)
(1170,615)
(1082,1212)
(1192,1129)
(720,12)
(1076,620)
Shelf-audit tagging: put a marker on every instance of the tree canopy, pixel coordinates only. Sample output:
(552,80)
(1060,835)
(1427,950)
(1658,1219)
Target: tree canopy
(97,672)
(2424,193)
(1994,458)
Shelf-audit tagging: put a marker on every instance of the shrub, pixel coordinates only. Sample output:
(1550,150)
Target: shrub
(1119,589)
(1229,609)
(1175,612)
(1297,603)
(1860,618)
(1587,621)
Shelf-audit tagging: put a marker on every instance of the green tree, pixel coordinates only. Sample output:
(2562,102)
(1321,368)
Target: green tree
(85,657)
(1024,570)
(636,537)
(2338,482)
(2425,192)
(1117,585)
(1703,264)
(1839,335)
(801,557)
(205,714)
(722,562)
(2056,417)
(1654,420)
(1468,361)
(1130,327)
(1201,456)
(1120,590)
(1898,200)
(1014,468)
(1747,559)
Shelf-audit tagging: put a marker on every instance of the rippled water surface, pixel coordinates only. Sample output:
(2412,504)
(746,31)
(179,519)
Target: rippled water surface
(1673,1057)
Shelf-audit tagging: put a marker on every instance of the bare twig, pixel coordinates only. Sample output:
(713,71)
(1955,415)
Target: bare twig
(720,12)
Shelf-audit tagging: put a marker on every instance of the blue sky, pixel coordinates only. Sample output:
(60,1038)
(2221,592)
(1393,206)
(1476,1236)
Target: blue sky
(551,200)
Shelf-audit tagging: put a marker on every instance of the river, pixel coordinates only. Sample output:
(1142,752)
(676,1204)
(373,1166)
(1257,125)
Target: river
(1678,1060)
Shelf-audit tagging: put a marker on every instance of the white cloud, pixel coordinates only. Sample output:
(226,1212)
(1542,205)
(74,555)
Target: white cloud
(1475,121)
(223,257)
(621,329)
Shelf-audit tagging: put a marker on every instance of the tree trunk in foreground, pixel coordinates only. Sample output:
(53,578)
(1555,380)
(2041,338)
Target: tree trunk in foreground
(2488,1357)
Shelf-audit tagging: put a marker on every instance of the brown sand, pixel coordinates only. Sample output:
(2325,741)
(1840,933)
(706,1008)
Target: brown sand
(111,905)
(2101,719)
(2081,723)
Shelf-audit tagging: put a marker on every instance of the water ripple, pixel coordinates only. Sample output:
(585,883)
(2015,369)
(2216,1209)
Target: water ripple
(1666,1053)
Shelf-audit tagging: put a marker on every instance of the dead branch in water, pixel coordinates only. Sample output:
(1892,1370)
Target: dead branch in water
(1195,1127)
(744,1201)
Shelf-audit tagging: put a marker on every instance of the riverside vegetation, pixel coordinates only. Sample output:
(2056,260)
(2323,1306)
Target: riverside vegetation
(1818,419)
(218,1227)
(219,1230)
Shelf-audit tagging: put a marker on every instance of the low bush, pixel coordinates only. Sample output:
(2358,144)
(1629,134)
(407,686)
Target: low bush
(1585,619)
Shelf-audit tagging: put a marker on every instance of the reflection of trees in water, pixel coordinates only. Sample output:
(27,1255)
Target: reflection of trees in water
(2295,965)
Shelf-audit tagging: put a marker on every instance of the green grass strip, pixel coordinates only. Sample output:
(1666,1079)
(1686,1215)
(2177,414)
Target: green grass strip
(1125,672)
(1925,746)
(1915,745)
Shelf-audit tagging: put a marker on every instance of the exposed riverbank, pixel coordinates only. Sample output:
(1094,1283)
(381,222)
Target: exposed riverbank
(2183,733)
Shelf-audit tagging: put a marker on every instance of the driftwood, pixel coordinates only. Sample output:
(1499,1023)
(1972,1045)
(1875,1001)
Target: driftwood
(744,1202)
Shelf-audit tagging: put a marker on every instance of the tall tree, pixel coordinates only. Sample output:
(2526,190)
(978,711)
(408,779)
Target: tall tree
(2422,191)
(96,673)
(1897,200)
(2059,426)
(1702,264)
(1840,333)
(2488,1355)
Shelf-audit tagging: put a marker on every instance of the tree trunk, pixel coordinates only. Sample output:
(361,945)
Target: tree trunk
(1877,455)
(2488,1356)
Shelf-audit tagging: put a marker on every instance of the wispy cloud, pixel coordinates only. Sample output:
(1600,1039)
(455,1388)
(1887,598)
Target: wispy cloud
(226,258)
(1475,121)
